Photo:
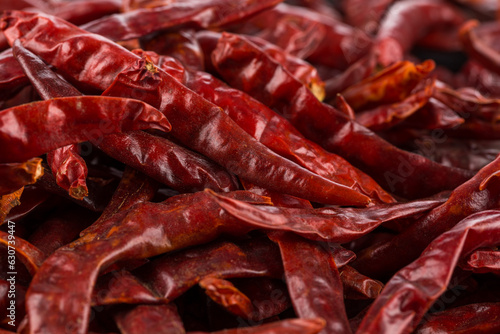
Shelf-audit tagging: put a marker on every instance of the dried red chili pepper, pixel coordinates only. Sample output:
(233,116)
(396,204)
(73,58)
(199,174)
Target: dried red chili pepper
(202,14)
(384,117)
(170,164)
(316,292)
(66,164)
(160,319)
(413,289)
(434,115)
(228,296)
(468,319)
(366,14)
(478,194)
(401,171)
(12,78)
(29,255)
(18,174)
(96,117)
(483,261)
(482,48)
(291,326)
(408,21)
(358,286)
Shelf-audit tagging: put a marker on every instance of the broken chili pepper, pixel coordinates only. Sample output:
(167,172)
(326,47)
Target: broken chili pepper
(18,174)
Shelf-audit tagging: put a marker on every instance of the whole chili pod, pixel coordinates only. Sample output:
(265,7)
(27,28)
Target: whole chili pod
(200,14)
(477,194)
(66,164)
(413,289)
(400,171)
(46,125)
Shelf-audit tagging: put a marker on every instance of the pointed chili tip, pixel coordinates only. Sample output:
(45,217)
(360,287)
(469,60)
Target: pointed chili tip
(467,27)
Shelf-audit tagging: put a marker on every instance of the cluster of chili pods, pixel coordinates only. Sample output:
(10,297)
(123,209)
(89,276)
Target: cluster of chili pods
(262,166)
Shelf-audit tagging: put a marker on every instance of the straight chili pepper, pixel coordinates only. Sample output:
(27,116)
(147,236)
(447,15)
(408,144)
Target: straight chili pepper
(198,14)
(66,164)
(317,292)
(404,173)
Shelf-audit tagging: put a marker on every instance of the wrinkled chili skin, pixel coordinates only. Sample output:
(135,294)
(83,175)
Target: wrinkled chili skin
(401,172)
(478,194)
(12,78)
(17,175)
(170,164)
(96,117)
(317,292)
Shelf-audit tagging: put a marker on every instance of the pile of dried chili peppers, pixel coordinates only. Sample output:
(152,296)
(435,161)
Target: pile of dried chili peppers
(260,166)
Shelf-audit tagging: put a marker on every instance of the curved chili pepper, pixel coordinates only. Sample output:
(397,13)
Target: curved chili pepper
(18,174)
(477,194)
(159,319)
(204,14)
(414,288)
(401,172)
(172,275)
(66,164)
(408,21)
(29,255)
(467,319)
(166,162)
(339,225)
(96,117)
(146,230)
(316,292)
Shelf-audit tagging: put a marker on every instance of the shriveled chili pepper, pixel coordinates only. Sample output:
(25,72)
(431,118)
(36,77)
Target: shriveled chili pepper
(172,275)
(434,115)
(66,164)
(478,194)
(467,319)
(171,164)
(12,78)
(28,254)
(200,14)
(413,289)
(134,188)
(483,261)
(482,48)
(384,117)
(323,124)
(181,45)
(36,133)
(160,319)
(408,21)
(478,76)
(312,36)
(366,14)
(16,175)
(358,286)
(291,326)
(393,84)
(317,292)
(228,296)
(339,225)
